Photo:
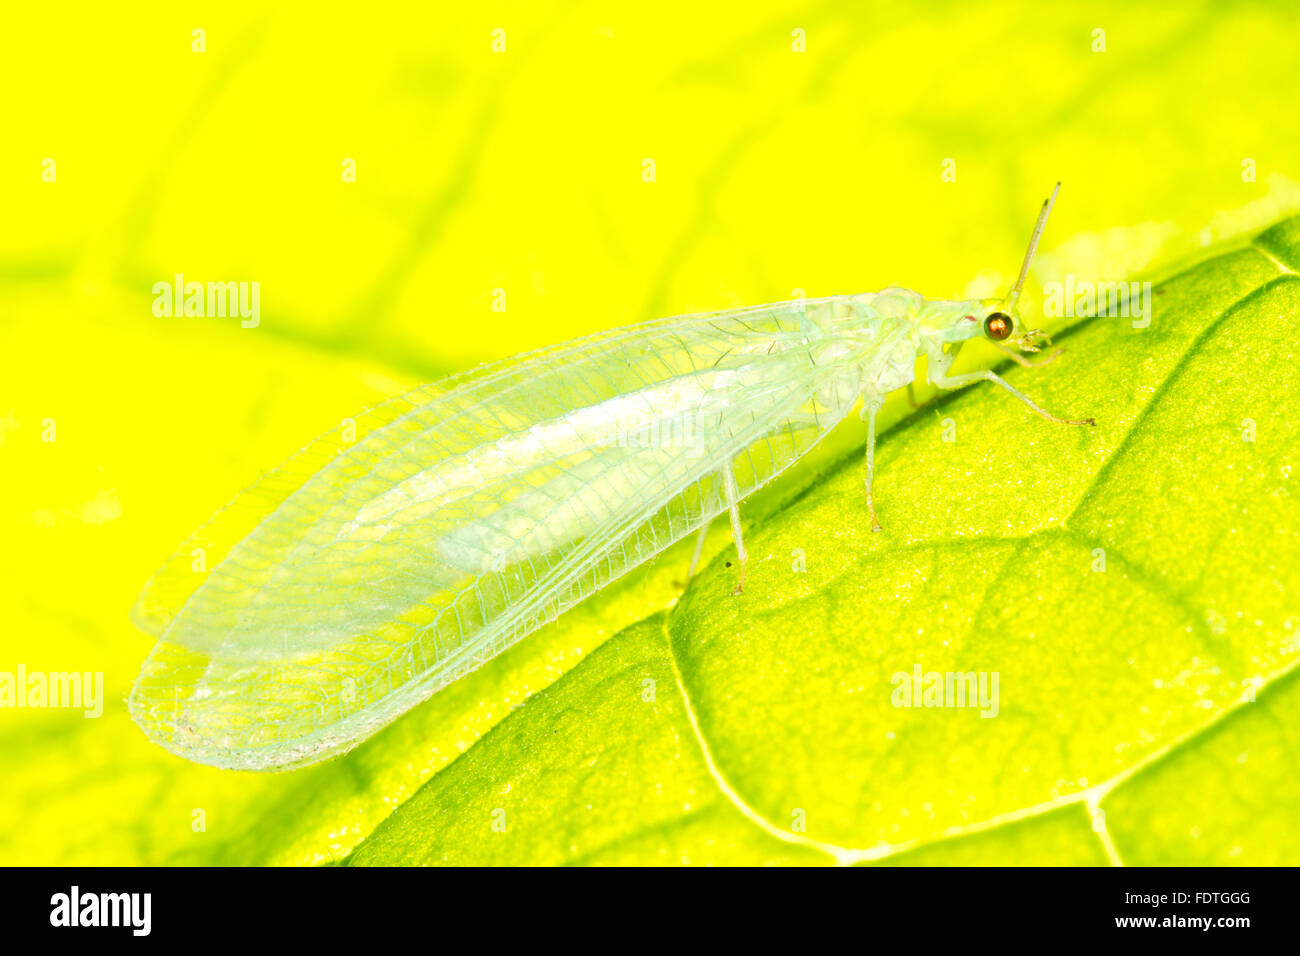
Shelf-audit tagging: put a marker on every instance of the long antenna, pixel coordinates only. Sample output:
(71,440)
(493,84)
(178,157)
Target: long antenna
(1033,247)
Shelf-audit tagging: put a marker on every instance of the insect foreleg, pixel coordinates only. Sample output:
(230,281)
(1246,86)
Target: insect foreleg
(733,505)
(944,381)
(1024,362)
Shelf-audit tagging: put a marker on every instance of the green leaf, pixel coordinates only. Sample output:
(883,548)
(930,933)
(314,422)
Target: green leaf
(1133,586)
(776,171)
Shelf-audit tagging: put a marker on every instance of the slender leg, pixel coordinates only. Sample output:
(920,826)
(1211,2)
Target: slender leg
(733,504)
(959,381)
(869,413)
(911,395)
(1024,362)
(699,547)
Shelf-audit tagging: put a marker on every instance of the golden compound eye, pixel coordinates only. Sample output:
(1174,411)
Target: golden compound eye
(997,326)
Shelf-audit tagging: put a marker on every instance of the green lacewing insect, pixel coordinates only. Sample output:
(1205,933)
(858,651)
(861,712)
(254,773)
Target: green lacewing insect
(360,578)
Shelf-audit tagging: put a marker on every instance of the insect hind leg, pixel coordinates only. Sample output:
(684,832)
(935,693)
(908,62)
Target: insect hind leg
(870,407)
(733,506)
(695,558)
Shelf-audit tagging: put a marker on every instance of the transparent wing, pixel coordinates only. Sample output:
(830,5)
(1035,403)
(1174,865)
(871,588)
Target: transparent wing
(466,514)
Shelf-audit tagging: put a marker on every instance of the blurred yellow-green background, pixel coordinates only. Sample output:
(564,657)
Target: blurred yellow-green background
(523,174)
